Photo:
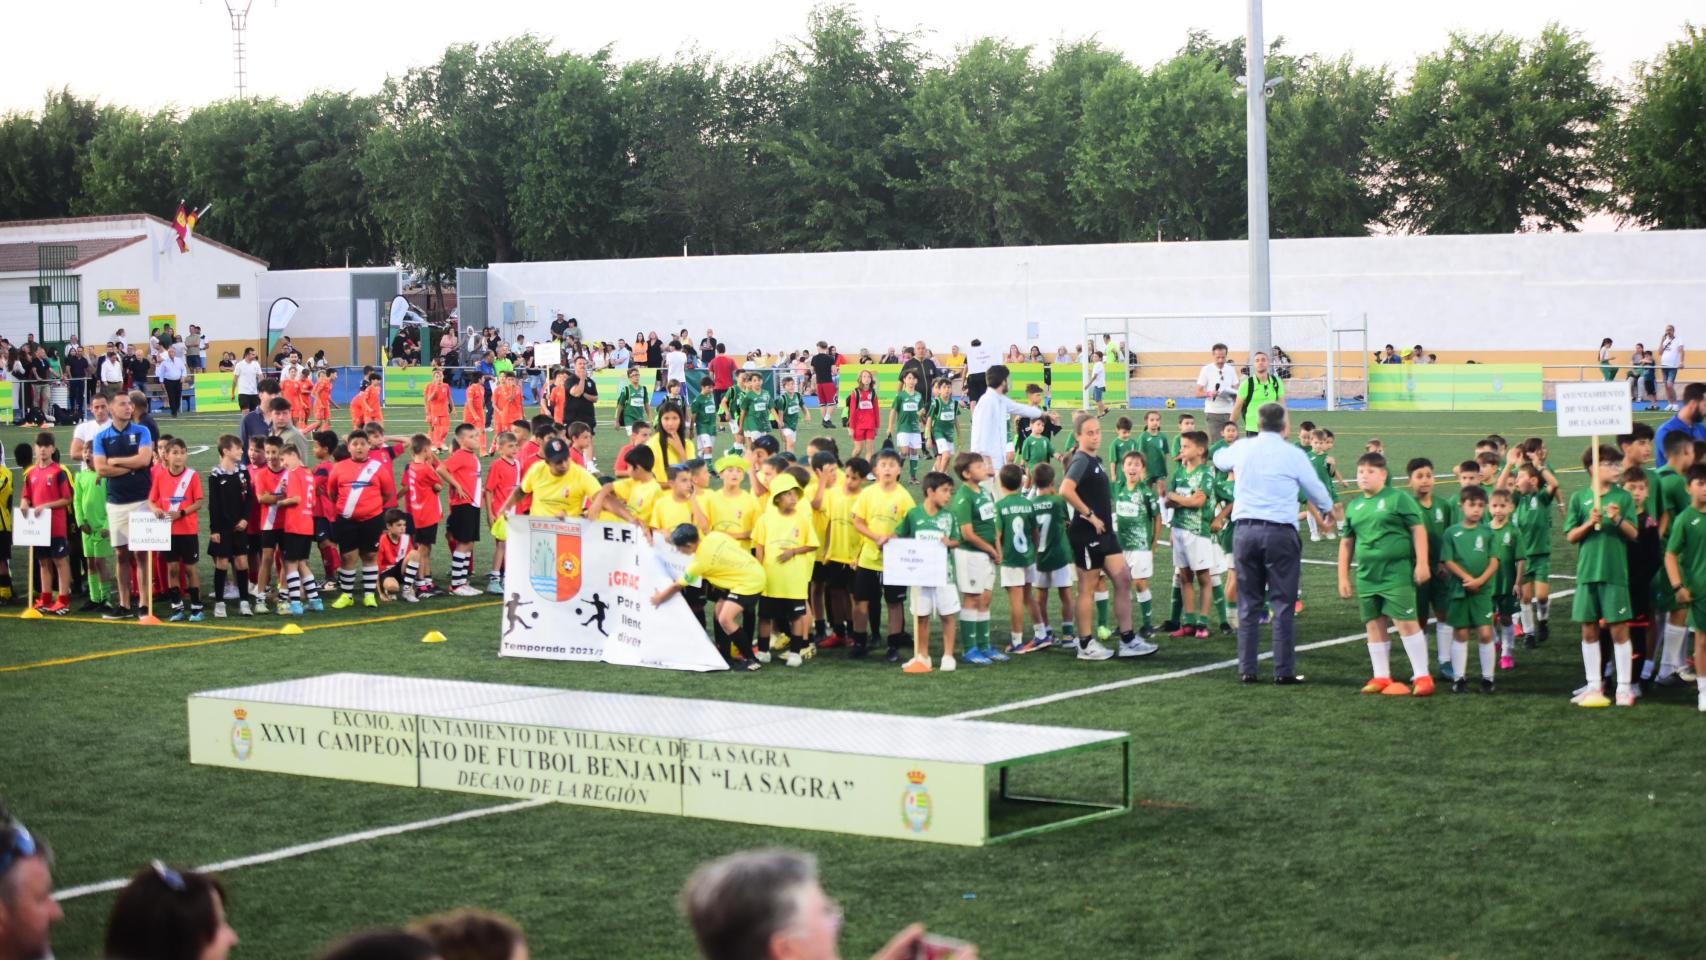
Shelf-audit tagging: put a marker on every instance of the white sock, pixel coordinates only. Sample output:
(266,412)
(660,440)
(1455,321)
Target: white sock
(1544,609)
(1314,527)
(1380,655)
(1101,595)
(1591,663)
(1145,597)
(1444,635)
(1624,656)
(1488,661)
(1041,629)
(1647,667)
(1700,682)
(1675,634)
(1416,648)
(1507,641)
(1459,658)
(1526,613)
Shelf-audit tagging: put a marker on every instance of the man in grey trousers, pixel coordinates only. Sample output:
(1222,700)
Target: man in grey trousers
(1269,472)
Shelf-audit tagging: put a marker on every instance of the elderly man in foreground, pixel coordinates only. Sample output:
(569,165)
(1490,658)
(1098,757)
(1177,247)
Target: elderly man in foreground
(1265,547)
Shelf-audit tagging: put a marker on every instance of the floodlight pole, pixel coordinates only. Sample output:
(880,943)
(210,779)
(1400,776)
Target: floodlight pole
(1256,133)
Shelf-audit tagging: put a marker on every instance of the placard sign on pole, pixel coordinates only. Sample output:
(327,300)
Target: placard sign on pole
(1594,410)
(915,563)
(150,534)
(31,528)
(547,354)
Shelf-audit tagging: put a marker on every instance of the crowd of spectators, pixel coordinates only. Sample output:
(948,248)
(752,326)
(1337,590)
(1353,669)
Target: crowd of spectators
(166,358)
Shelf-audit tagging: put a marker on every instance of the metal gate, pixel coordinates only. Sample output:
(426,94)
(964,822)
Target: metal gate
(57,295)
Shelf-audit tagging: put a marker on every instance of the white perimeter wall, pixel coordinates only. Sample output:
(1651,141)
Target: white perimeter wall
(1536,292)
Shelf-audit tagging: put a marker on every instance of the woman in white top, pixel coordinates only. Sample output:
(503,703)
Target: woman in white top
(1670,361)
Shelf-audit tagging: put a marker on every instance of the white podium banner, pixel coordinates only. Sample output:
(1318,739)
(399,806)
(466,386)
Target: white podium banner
(581,590)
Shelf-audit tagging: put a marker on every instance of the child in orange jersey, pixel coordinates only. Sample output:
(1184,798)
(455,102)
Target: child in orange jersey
(437,396)
(321,394)
(474,409)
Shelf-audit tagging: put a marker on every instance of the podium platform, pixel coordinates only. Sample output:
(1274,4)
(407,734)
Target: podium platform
(880,775)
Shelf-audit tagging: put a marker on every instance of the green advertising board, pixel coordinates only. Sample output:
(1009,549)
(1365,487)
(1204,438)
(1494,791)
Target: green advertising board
(212,392)
(1454,386)
(406,386)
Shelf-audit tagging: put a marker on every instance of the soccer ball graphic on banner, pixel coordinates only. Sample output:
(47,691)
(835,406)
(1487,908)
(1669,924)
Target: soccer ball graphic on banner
(1171,403)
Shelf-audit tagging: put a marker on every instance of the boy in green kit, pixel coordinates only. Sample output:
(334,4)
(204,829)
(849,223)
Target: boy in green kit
(1035,448)
(1190,491)
(976,557)
(904,426)
(703,409)
(1673,497)
(931,520)
(1601,535)
(1124,442)
(791,407)
(754,405)
(1534,502)
(1507,549)
(1154,446)
(1467,553)
(1051,515)
(944,423)
(1685,563)
(633,402)
(1016,541)
(1434,594)
(1137,527)
(1385,533)
(1223,574)
(89,490)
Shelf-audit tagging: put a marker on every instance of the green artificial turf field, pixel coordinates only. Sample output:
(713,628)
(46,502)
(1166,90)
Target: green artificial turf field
(1303,821)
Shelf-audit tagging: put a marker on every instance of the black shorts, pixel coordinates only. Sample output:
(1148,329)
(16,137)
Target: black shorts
(719,394)
(1089,548)
(868,586)
(780,610)
(248,401)
(976,384)
(393,572)
(56,547)
(358,535)
(834,575)
(426,536)
(463,526)
(270,539)
(322,529)
(232,543)
(295,546)
(746,601)
(5,543)
(186,548)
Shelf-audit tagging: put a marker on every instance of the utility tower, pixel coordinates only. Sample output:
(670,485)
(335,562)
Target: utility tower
(239,11)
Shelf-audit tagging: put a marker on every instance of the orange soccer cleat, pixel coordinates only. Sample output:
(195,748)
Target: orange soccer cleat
(1424,686)
(1377,685)
(1395,688)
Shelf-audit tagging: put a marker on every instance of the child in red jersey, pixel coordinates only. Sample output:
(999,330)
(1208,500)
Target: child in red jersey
(359,488)
(177,495)
(297,536)
(501,480)
(462,526)
(507,406)
(48,487)
(422,480)
(325,448)
(387,450)
(437,396)
(267,482)
(394,547)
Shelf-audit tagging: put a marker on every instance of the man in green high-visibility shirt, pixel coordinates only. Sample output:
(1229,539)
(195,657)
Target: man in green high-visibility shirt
(1260,387)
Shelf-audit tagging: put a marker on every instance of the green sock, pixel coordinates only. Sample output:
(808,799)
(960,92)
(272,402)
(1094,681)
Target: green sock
(1220,602)
(1067,631)
(1104,612)
(983,633)
(97,590)
(912,464)
(1148,608)
(1178,604)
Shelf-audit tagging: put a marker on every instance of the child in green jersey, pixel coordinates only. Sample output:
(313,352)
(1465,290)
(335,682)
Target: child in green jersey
(703,409)
(1467,552)
(1190,492)
(1685,562)
(931,520)
(1673,494)
(1507,549)
(1035,448)
(1386,534)
(976,557)
(1124,442)
(1154,446)
(1016,541)
(1137,527)
(1053,570)
(905,413)
(1327,471)
(1223,574)
(1600,522)
(944,423)
(1434,593)
(790,405)
(1536,492)
(633,402)
(755,408)
(90,492)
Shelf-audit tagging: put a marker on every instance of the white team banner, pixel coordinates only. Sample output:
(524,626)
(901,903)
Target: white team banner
(581,590)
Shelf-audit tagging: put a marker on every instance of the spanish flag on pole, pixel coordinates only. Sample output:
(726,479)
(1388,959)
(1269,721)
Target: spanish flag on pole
(184,224)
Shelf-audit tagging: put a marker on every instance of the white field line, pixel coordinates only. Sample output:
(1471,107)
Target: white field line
(379,833)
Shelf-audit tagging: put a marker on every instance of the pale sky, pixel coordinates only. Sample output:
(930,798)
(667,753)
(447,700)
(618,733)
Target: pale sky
(150,53)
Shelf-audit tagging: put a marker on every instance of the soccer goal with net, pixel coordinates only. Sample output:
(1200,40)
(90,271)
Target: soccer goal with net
(1323,361)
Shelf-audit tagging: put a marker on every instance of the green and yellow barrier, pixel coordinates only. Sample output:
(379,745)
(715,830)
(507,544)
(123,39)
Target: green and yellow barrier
(1453,386)
(212,392)
(406,386)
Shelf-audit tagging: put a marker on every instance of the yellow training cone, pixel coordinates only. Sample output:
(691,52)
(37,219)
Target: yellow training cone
(290,630)
(433,636)
(30,613)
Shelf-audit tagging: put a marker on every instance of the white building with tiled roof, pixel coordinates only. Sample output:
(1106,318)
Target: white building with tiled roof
(94,276)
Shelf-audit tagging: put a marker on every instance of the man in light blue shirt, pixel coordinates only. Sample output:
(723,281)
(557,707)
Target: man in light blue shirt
(1265,546)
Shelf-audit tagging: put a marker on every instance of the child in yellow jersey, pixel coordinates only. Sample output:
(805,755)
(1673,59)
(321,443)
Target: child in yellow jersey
(723,563)
(637,490)
(680,505)
(786,543)
(732,510)
(841,554)
(825,474)
(876,514)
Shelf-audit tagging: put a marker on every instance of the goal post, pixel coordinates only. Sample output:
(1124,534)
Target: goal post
(1162,352)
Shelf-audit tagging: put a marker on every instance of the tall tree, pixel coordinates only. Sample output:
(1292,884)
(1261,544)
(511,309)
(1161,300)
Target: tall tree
(1657,156)
(131,165)
(1073,71)
(1495,135)
(830,156)
(569,166)
(443,165)
(1321,170)
(40,173)
(977,130)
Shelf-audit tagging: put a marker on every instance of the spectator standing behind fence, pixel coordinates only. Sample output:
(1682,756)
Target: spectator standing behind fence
(1217,384)
(1670,362)
(245,381)
(76,381)
(1257,390)
(170,370)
